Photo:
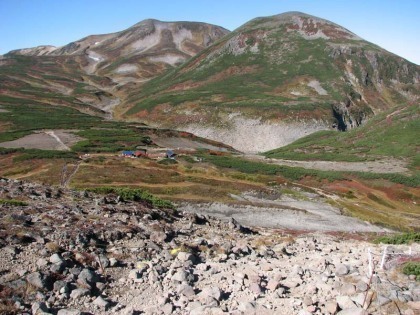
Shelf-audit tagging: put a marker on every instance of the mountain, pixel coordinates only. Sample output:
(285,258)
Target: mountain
(97,70)
(274,80)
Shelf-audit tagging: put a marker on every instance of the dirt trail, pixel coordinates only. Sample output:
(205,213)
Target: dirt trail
(67,174)
(383,166)
(61,143)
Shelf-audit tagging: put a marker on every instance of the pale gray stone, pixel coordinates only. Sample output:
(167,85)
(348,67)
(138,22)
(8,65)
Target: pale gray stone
(331,307)
(213,292)
(345,302)
(69,311)
(38,307)
(101,302)
(361,286)
(272,285)
(180,276)
(87,278)
(185,256)
(353,311)
(342,270)
(186,290)
(347,289)
(37,280)
(77,293)
(113,262)
(167,308)
(56,259)
(255,288)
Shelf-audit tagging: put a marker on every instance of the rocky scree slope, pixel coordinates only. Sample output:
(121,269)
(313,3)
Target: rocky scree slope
(98,69)
(75,252)
(277,79)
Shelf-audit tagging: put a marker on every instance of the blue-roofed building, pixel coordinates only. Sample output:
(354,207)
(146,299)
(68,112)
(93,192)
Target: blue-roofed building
(127,153)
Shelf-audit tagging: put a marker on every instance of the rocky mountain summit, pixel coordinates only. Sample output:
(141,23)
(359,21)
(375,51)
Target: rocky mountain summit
(76,252)
(137,51)
(97,73)
(277,79)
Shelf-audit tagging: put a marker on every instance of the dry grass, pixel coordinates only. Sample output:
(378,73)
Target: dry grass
(376,201)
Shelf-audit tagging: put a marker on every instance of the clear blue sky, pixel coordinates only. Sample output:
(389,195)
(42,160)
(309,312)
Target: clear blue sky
(392,24)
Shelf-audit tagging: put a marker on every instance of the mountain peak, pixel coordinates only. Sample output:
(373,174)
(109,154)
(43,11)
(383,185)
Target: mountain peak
(308,26)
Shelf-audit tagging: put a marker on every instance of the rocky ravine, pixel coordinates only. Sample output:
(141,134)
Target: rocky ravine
(71,252)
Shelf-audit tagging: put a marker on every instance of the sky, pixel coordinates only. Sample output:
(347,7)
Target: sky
(391,24)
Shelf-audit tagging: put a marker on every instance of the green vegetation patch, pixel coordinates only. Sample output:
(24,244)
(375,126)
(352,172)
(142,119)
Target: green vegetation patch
(251,167)
(100,135)
(12,202)
(107,139)
(412,268)
(405,238)
(390,134)
(30,154)
(26,118)
(134,195)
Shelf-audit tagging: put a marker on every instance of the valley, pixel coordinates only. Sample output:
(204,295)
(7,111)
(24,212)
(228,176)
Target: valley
(212,171)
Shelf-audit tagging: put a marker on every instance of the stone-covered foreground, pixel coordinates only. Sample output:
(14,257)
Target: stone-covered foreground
(69,252)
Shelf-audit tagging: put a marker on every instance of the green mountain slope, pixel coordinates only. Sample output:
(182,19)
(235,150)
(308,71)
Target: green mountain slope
(277,79)
(94,74)
(393,133)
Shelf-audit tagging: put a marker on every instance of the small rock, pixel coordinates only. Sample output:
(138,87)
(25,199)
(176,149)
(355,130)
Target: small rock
(75,271)
(41,262)
(331,307)
(104,261)
(382,300)
(360,298)
(247,307)
(113,262)
(59,284)
(180,276)
(353,311)
(101,302)
(39,307)
(134,274)
(56,259)
(292,282)
(87,278)
(344,302)
(213,292)
(347,289)
(272,285)
(158,237)
(255,288)
(68,311)
(37,280)
(298,270)
(77,293)
(342,270)
(167,308)
(11,250)
(100,286)
(58,268)
(185,256)
(186,290)
(415,305)
(201,267)
(361,286)
(252,275)
(307,301)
